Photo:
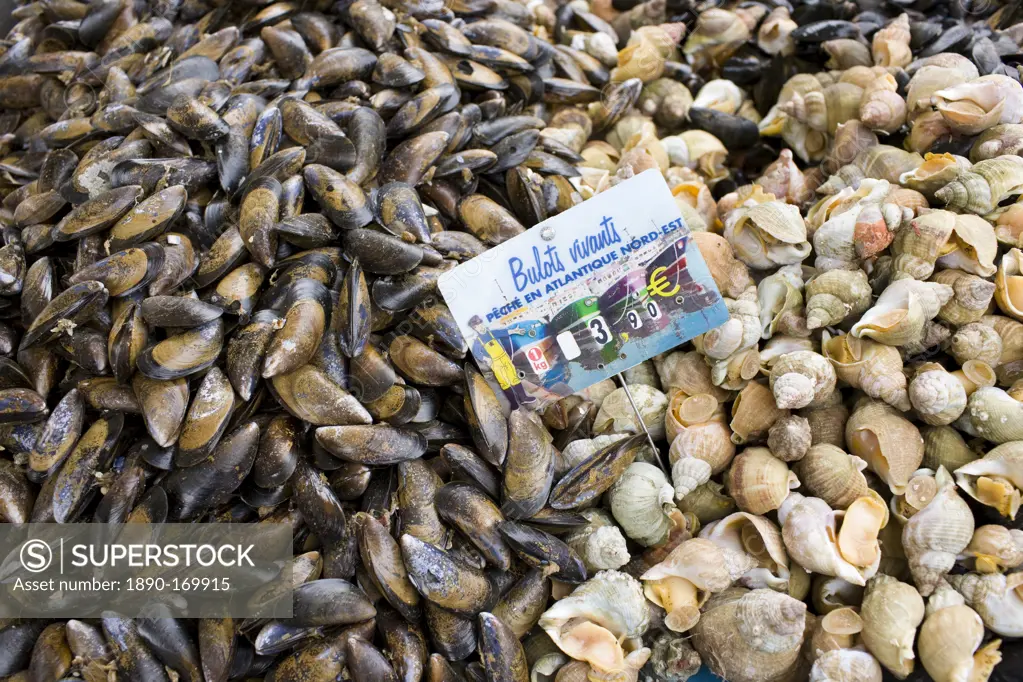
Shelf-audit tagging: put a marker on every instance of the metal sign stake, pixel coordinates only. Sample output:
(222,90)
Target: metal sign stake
(639,417)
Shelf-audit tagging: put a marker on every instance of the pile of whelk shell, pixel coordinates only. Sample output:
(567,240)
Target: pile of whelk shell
(189,336)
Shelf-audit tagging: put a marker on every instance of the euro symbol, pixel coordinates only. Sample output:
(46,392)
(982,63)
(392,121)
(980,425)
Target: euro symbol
(659,284)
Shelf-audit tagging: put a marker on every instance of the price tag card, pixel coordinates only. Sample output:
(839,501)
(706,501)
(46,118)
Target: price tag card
(586,294)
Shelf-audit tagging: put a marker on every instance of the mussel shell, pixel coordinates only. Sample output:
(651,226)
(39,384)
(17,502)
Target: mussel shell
(76,480)
(318,505)
(538,548)
(124,272)
(308,308)
(210,483)
(501,653)
(77,304)
(183,354)
(469,510)
(485,416)
(307,230)
(58,436)
(381,557)
(329,601)
(594,475)
(375,445)
(354,311)
(381,253)
(445,580)
(738,131)
(341,200)
(206,420)
(178,311)
(279,452)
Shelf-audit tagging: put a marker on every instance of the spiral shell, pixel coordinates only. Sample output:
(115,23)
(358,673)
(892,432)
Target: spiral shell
(759,538)
(753,413)
(688,373)
(707,503)
(971,297)
(979,342)
(882,108)
(759,482)
(835,295)
(934,536)
(994,414)
(684,580)
(890,444)
(832,475)
(709,442)
(784,179)
(730,274)
(1009,284)
(590,624)
(769,234)
(600,543)
(859,230)
(874,368)
(949,641)
(980,189)
(944,446)
(891,612)
(996,478)
(751,636)
(996,598)
(890,45)
(970,108)
(995,548)
(617,414)
(641,501)
(936,171)
(972,248)
(899,313)
(741,331)
(917,246)
(774,36)
(689,410)
(937,396)
(811,536)
(781,303)
(802,378)
(790,438)
(846,665)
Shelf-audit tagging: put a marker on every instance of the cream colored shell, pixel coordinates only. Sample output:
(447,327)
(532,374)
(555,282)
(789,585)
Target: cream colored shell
(801,379)
(889,443)
(758,537)
(899,313)
(591,623)
(833,475)
(891,612)
(933,537)
(996,598)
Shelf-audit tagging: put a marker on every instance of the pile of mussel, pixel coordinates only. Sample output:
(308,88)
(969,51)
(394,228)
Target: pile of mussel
(222,228)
